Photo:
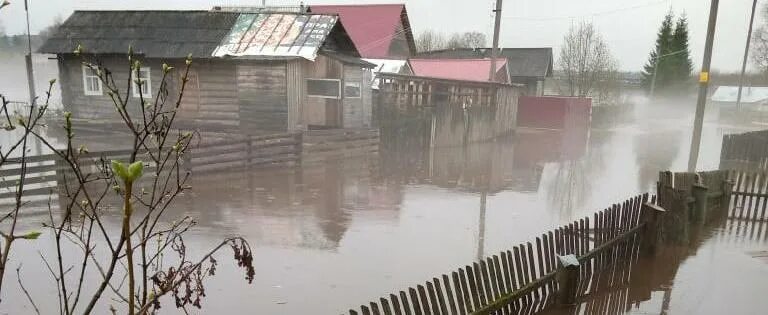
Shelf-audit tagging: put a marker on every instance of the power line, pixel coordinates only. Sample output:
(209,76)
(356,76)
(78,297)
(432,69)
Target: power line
(599,13)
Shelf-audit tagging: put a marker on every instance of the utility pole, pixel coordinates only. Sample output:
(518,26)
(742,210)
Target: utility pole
(28,59)
(495,48)
(698,121)
(746,54)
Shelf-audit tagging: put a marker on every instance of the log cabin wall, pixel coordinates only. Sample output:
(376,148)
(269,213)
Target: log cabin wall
(252,97)
(210,97)
(99,106)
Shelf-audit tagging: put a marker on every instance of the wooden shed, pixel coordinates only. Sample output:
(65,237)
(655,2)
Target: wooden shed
(252,72)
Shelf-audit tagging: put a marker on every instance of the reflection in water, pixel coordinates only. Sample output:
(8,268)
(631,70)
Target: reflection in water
(655,152)
(303,207)
(692,279)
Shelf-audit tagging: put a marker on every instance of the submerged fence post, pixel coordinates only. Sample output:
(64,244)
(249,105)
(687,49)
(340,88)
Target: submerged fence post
(699,193)
(725,198)
(651,216)
(567,279)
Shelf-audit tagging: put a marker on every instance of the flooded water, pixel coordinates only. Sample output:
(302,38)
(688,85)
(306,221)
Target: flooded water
(722,272)
(335,234)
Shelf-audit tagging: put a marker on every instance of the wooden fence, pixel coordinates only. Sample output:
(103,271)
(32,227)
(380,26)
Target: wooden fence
(209,155)
(692,200)
(321,145)
(247,151)
(581,260)
(745,151)
(527,278)
(408,91)
(750,195)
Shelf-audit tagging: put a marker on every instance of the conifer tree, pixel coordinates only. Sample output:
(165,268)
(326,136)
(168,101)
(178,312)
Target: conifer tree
(663,46)
(681,64)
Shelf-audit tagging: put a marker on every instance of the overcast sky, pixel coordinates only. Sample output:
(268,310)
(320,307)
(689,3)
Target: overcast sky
(629,26)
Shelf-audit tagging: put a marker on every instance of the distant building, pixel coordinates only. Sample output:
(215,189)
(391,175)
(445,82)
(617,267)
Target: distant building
(254,72)
(749,95)
(387,66)
(528,66)
(476,70)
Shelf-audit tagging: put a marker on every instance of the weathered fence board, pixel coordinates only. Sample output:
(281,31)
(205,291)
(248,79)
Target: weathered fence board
(750,195)
(746,151)
(522,280)
(42,171)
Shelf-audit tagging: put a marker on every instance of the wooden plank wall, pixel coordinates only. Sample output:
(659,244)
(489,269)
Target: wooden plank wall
(367,99)
(217,93)
(211,94)
(322,145)
(247,151)
(521,280)
(506,113)
(745,151)
(325,112)
(486,110)
(404,92)
(296,91)
(262,96)
(101,106)
(353,107)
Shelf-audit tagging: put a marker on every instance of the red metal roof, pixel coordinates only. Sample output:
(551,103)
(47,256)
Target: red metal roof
(456,69)
(371,27)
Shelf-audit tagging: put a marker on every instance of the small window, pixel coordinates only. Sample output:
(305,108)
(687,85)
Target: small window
(352,89)
(91,81)
(145,80)
(325,88)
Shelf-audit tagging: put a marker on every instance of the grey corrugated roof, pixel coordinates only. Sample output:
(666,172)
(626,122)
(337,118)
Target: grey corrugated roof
(522,62)
(348,59)
(162,34)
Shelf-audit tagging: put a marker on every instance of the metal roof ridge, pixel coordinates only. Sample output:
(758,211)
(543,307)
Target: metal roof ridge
(359,5)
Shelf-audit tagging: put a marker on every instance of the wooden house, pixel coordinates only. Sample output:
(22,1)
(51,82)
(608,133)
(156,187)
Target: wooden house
(527,66)
(252,72)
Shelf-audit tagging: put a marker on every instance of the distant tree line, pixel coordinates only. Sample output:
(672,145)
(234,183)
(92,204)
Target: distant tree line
(430,40)
(15,44)
(670,59)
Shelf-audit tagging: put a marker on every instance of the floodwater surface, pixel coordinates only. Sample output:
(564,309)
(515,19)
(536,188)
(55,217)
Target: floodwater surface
(336,234)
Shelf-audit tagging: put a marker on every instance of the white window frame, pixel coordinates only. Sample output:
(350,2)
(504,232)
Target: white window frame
(87,75)
(359,85)
(325,96)
(146,93)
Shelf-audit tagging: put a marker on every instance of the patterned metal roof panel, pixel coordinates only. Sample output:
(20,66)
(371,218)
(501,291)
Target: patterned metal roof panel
(276,34)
